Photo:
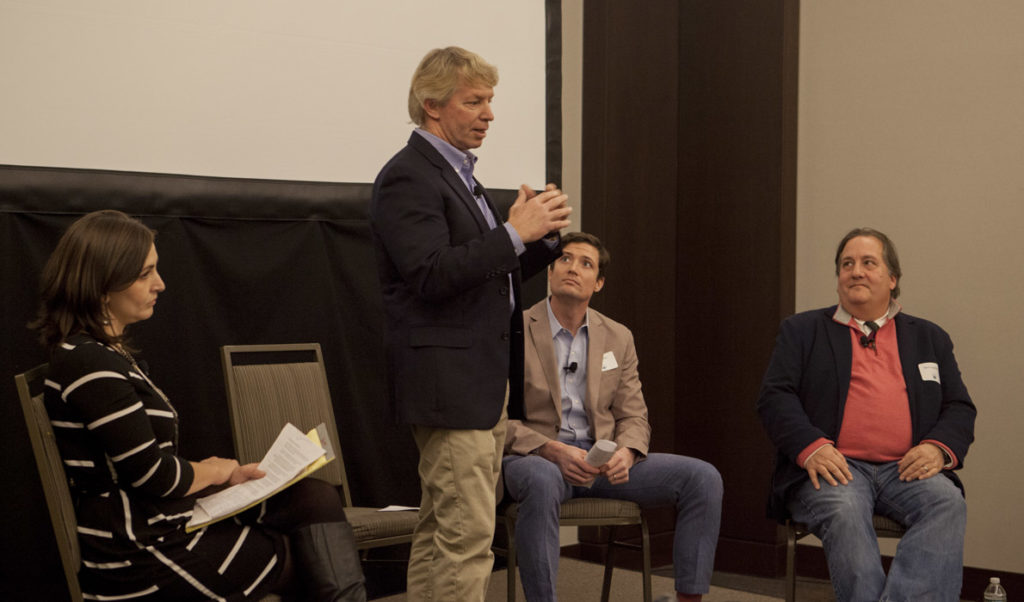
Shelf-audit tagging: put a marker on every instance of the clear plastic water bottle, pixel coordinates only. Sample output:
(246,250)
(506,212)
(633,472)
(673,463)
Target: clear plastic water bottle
(994,592)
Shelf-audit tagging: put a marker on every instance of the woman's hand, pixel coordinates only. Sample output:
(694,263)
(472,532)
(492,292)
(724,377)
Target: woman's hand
(246,472)
(216,471)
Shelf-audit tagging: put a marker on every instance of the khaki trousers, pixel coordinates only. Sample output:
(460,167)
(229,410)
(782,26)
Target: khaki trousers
(451,558)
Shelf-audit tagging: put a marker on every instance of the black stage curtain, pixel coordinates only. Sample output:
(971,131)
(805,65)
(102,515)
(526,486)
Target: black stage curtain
(245,261)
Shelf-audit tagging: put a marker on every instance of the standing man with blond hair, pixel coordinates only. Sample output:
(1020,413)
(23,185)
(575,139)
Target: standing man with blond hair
(450,271)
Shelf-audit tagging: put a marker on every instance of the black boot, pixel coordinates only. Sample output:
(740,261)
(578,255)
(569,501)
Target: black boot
(327,564)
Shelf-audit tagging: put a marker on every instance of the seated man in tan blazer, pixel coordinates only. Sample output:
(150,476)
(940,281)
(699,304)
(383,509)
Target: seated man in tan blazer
(582,386)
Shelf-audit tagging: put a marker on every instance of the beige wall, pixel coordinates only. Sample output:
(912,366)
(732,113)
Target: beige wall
(911,120)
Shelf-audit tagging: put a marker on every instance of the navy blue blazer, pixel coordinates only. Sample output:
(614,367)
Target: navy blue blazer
(452,338)
(803,394)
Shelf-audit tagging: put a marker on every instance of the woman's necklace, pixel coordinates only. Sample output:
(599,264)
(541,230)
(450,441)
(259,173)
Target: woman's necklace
(131,360)
(124,353)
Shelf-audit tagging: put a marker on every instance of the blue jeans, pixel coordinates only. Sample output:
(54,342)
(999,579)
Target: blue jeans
(929,558)
(692,486)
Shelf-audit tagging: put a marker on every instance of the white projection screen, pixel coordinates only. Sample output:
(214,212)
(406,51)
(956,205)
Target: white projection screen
(294,90)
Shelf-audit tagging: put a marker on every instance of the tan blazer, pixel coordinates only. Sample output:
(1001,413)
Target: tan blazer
(619,413)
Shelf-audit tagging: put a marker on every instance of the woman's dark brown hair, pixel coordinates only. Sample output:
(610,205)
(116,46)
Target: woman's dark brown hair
(101,253)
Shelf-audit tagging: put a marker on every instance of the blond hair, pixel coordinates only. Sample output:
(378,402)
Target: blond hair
(441,72)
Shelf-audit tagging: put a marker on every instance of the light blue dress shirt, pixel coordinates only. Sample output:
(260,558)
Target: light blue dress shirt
(463,163)
(575,427)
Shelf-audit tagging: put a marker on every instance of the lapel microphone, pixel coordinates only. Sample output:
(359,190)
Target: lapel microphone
(869,340)
(478,190)
(572,367)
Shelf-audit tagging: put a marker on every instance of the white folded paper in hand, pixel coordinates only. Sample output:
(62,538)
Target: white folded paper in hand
(292,456)
(599,454)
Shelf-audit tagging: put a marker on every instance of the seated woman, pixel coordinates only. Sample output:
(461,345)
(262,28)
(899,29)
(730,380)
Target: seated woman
(118,436)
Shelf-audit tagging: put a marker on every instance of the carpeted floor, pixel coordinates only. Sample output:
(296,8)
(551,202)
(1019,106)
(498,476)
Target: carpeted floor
(581,582)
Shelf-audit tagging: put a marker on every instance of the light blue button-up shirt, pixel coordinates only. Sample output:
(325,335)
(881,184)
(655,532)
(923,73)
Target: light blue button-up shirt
(575,427)
(463,163)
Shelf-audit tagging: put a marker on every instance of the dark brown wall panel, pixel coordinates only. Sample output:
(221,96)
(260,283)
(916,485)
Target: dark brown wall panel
(629,181)
(689,176)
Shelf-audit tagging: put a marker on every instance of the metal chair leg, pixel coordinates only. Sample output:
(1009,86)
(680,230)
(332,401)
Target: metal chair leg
(510,529)
(609,565)
(790,563)
(645,540)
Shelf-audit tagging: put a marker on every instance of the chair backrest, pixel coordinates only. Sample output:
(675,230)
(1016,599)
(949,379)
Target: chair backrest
(51,473)
(269,385)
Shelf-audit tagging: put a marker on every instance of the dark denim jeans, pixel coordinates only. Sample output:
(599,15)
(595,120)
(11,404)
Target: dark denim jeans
(692,486)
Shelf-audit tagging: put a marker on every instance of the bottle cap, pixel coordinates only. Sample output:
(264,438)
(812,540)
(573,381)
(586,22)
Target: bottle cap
(994,580)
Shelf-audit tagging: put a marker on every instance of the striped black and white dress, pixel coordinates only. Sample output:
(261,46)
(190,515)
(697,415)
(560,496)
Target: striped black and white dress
(117,435)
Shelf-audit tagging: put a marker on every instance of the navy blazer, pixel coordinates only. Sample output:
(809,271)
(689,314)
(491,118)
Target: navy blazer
(452,340)
(803,394)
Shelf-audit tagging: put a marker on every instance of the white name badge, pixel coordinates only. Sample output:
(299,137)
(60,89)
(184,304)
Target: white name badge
(929,371)
(608,362)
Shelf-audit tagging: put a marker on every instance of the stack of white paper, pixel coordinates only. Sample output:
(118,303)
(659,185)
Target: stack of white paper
(291,454)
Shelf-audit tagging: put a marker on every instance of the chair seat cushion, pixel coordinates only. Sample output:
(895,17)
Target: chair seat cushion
(887,527)
(588,509)
(371,523)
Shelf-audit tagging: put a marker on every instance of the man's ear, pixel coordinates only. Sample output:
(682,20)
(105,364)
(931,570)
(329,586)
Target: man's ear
(432,108)
(599,284)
